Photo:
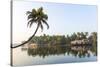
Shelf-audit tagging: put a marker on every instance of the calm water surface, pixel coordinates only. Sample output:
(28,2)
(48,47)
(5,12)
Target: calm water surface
(51,55)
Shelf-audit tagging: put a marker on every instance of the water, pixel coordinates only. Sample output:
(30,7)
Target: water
(52,55)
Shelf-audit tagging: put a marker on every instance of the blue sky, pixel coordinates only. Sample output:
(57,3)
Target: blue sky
(63,19)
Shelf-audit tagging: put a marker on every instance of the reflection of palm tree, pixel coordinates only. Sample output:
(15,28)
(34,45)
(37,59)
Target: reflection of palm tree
(59,50)
(38,17)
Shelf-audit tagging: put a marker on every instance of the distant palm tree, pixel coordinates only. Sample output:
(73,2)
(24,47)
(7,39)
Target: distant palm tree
(38,17)
(86,34)
(78,35)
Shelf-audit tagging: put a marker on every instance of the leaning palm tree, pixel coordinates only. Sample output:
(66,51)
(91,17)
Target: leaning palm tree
(38,17)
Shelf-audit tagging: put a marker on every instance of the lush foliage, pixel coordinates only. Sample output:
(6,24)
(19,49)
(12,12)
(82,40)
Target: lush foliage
(64,40)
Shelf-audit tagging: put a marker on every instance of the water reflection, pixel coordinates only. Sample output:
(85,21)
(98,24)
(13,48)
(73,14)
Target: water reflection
(76,51)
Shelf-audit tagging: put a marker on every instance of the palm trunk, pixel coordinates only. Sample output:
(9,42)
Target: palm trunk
(28,39)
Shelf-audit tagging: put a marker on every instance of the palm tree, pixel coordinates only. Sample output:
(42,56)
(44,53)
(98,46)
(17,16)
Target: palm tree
(86,34)
(38,17)
(78,35)
(94,38)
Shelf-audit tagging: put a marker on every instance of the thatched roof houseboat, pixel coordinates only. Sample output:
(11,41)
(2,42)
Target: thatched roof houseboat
(80,42)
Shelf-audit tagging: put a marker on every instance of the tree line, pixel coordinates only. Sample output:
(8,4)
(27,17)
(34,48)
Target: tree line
(64,39)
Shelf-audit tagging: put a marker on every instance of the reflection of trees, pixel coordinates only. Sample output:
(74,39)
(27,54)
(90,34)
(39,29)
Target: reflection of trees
(80,53)
(93,39)
(94,50)
(46,51)
(60,50)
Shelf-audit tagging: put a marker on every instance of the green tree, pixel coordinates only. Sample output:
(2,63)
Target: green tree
(94,38)
(78,35)
(86,34)
(38,17)
(68,39)
(73,36)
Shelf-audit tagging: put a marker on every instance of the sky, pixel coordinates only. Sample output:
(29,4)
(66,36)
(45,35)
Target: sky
(63,19)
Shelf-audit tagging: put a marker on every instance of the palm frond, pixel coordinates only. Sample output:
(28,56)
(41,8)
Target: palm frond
(41,26)
(30,22)
(40,9)
(28,12)
(45,16)
(29,16)
(45,23)
(34,11)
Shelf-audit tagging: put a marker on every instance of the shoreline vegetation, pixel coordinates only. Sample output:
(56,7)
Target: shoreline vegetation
(76,39)
(83,44)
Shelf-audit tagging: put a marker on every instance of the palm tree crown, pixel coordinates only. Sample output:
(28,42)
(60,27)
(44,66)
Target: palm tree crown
(38,17)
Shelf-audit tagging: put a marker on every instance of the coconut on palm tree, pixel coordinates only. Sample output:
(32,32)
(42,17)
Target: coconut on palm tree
(38,17)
